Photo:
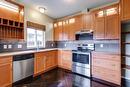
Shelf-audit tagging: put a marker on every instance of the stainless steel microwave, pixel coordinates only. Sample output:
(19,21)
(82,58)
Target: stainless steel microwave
(84,35)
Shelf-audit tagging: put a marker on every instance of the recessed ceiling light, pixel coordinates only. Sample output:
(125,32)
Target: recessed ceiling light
(42,9)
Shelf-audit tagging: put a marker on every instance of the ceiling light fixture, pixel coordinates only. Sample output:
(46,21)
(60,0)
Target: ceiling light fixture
(42,10)
(9,6)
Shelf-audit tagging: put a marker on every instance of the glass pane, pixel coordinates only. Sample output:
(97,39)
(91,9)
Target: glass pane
(31,38)
(100,14)
(111,11)
(72,20)
(40,38)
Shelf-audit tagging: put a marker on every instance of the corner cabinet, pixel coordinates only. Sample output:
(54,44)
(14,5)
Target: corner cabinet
(44,61)
(125,11)
(65,59)
(6,71)
(107,23)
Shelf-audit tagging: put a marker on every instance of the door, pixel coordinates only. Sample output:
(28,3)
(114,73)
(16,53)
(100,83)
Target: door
(125,5)
(112,22)
(5,74)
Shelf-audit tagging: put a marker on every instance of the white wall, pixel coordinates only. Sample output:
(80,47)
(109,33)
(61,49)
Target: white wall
(37,17)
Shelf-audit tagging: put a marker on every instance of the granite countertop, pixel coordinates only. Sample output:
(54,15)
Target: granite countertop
(25,52)
(30,51)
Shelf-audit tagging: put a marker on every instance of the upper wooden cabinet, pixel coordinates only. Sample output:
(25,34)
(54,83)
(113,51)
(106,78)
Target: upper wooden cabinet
(6,71)
(88,21)
(112,24)
(11,20)
(58,29)
(99,32)
(66,29)
(107,23)
(125,11)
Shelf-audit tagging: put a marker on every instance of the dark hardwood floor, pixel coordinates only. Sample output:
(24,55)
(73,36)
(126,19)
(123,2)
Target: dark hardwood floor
(59,78)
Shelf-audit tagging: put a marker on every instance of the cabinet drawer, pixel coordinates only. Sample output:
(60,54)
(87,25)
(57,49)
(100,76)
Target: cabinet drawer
(37,55)
(107,75)
(107,56)
(7,59)
(112,65)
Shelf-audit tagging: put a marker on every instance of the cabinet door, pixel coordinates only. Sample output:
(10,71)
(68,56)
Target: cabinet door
(54,58)
(112,27)
(5,72)
(88,22)
(112,22)
(125,5)
(39,63)
(48,61)
(72,29)
(58,32)
(65,30)
(66,60)
(99,28)
(78,22)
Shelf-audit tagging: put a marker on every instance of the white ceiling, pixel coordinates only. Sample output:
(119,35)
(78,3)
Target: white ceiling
(61,8)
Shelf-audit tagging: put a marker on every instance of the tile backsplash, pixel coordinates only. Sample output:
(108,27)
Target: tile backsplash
(10,46)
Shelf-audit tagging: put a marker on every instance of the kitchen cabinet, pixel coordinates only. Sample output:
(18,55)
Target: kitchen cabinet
(65,59)
(50,60)
(107,23)
(44,61)
(106,66)
(66,30)
(58,28)
(88,21)
(125,12)
(39,63)
(99,32)
(5,71)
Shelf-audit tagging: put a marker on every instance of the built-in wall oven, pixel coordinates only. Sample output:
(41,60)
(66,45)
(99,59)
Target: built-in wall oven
(82,60)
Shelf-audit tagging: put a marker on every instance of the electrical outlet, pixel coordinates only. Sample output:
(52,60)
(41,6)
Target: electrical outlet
(101,45)
(19,46)
(9,46)
(65,45)
(5,46)
(52,45)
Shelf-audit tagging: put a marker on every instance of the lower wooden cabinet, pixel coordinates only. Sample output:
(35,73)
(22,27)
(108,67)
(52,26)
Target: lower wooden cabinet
(65,59)
(51,59)
(106,67)
(44,61)
(5,71)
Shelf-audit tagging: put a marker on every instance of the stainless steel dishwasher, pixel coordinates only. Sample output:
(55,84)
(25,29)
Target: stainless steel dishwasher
(23,66)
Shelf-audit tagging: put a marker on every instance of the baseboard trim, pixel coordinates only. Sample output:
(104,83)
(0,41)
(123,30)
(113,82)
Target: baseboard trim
(105,82)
